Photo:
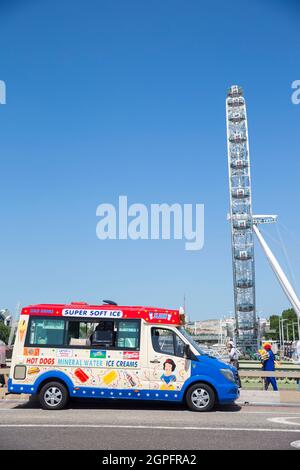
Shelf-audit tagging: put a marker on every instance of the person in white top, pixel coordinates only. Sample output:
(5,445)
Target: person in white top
(233,358)
(233,355)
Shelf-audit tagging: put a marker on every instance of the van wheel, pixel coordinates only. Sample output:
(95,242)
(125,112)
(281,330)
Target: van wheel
(53,396)
(200,397)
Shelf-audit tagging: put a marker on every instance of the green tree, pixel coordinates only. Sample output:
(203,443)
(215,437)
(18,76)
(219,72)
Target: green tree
(274,326)
(4,332)
(291,317)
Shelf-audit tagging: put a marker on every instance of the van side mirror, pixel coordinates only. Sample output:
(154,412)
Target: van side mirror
(187,353)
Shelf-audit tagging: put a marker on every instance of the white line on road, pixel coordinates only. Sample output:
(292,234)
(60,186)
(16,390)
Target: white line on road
(285,420)
(173,428)
(265,413)
(296,444)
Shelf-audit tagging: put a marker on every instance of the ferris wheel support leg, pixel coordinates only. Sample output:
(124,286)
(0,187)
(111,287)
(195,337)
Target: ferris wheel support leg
(283,280)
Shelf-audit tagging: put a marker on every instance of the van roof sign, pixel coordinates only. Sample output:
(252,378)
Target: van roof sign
(84,310)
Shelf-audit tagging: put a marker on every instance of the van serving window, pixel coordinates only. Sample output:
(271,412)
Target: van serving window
(104,334)
(79,333)
(166,341)
(128,334)
(46,332)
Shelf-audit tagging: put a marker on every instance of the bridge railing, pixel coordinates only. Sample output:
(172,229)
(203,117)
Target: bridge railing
(291,377)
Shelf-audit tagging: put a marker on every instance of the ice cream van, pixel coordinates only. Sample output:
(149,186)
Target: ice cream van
(110,351)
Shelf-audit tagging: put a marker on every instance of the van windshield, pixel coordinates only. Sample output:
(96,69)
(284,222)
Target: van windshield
(191,340)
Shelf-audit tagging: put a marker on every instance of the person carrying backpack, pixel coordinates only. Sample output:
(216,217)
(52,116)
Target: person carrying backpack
(268,364)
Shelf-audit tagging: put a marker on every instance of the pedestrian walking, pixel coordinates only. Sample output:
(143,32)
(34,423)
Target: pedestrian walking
(298,350)
(234,359)
(3,377)
(298,359)
(268,364)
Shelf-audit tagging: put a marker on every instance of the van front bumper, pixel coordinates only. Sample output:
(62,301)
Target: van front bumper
(228,393)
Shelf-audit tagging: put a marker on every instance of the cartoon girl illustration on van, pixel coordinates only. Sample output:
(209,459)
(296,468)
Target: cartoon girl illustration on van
(168,377)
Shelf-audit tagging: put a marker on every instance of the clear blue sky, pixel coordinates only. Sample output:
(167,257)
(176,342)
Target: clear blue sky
(128,97)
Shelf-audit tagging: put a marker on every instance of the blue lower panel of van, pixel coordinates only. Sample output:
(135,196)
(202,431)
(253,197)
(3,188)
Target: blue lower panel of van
(90,392)
(227,393)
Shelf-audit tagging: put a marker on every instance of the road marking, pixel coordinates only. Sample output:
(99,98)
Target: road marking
(125,426)
(285,420)
(224,413)
(275,412)
(296,444)
(269,413)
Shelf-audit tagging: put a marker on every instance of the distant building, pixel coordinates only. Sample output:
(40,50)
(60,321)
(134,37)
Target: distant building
(210,331)
(264,326)
(220,331)
(205,326)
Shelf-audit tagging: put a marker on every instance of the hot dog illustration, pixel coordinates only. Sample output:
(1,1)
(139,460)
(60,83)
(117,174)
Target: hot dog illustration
(33,370)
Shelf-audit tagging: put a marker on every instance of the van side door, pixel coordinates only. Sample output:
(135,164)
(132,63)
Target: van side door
(168,368)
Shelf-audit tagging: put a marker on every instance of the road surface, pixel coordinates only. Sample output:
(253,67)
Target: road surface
(111,425)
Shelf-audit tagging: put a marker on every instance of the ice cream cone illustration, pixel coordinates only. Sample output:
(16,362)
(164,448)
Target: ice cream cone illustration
(22,329)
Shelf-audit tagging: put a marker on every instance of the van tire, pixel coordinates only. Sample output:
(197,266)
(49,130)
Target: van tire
(202,394)
(53,396)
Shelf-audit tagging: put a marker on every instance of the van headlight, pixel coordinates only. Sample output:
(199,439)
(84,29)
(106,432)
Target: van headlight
(228,374)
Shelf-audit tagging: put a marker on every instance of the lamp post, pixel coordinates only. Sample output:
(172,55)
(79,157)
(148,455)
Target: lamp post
(294,336)
(282,320)
(293,330)
(279,329)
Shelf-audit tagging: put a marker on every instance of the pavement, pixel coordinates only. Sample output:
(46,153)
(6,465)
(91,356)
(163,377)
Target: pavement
(126,425)
(269,397)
